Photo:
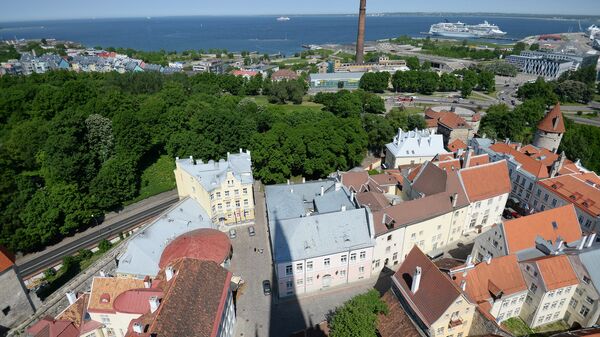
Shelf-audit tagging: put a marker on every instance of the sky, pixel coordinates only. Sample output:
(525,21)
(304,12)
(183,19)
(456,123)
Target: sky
(16,10)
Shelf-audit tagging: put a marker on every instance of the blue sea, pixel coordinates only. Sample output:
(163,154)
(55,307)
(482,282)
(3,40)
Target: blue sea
(258,33)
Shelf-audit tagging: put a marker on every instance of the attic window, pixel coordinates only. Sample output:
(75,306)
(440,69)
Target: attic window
(6,310)
(554,225)
(105,298)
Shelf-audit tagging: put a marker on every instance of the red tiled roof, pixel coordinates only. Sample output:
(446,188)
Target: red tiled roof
(383,179)
(456,145)
(201,244)
(486,181)
(49,327)
(529,164)
(436,291)
(106,289)
(520,233)
(355,180)
(7,260)
(135,301)
(553,121)
(375,201)
(577,190)
(284,74)
(447,118)
(502,274)
(556,271)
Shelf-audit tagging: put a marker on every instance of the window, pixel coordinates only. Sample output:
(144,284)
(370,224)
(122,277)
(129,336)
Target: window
(237,203)
(226,194)
(361,270)
(327,262)
(529,299)
(546,197)
(105,319)
(440,331)
(573,303)
(478,204)
(212,196)
(389,249)
(562,302)
(413,236)
(550,294)
(586,279)
(589,300)
(584,311)
(538,193)
(533,288)
(309,280)
(363,255)
(513,302)
(420,233)
(553,202)
(555,315)
(353,257)
(460,334)
(344,258)
(389,237)
(220,206)
(288,269)
(228,204)
(245,190)
(299,282)
(559,292)
(299,267)
(218,195)
(342,273)
(395,256)
(236,192)
(289,284)
(245,202)
(554,304)
(473,222)
(309,265)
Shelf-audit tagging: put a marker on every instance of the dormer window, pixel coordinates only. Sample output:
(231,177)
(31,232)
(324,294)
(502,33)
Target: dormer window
(105,298)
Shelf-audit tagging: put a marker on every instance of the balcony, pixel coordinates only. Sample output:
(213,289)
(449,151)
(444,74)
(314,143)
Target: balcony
(454,323)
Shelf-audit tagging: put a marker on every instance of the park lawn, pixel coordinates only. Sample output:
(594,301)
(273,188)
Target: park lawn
(518,328)
(157,178)
(290,107)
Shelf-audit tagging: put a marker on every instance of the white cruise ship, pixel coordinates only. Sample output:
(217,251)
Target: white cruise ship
(462,30)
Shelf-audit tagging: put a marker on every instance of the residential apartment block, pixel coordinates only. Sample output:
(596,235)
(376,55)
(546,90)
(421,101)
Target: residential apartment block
(413,147)
(319,237)
(223,188)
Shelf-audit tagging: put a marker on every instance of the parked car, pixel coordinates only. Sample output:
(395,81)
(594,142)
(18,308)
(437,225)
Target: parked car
(251,231)
(266,287)
(232,234)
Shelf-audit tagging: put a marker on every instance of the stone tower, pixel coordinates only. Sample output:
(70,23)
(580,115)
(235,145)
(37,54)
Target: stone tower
(550,130)
(360,40)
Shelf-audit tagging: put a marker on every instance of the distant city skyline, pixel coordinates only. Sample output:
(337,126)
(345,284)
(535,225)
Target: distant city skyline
(72,9)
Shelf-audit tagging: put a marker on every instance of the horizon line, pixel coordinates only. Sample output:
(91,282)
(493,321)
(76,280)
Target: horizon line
(305,14)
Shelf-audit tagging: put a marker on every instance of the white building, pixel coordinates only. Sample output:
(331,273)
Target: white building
(413,147)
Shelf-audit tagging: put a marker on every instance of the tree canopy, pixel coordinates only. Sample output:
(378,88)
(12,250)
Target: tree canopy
(358,316)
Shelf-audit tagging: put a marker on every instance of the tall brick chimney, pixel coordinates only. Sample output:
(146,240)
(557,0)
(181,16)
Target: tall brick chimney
(360,41)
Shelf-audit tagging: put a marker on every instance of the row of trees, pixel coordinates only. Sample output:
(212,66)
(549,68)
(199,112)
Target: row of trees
(572,87)
(73,146)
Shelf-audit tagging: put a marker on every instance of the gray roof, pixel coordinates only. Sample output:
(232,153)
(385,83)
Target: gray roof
(143,251)
(213,174)
(321,234)
(336,76)
(305,224)
(589,258)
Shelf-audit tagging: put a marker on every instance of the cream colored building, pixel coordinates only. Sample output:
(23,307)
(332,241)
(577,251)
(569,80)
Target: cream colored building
(435,304)
(413,147)
(223,188)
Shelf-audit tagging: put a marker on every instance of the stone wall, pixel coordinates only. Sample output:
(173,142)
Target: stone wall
(484,326)
(15,304)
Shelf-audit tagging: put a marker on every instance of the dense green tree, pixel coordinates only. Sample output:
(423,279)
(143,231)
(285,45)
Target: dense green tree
(358,316)
(375,82)
(448,82)
(379,132)
(99,136)
(574,91)
(117,181)
(412,62)
(487,81)
(405,120)
(534,47)
(538,89)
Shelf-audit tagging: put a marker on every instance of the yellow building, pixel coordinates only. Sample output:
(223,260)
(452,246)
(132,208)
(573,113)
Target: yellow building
(223,188)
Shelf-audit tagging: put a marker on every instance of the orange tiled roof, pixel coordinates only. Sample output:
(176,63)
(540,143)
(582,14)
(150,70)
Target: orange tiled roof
(7,260)
(577,190)
(446,118)
(529,164)
(556,271)
(502,274)
(106,289)
(355,180)
(486,181)
(456,145)
(553,121)
(520,233)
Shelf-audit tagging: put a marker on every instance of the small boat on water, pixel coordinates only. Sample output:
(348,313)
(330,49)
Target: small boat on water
(283,18)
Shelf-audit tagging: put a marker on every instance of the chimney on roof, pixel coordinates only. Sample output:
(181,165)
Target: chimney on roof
(463,285)
(467,160)
(353,196)
(288,181)
(469,261)
(292,190)
(137,327)
(582,242)
(338,186)
(591,240)
(248,152)
(459,152)
(343,208)
(71,297)
(228,154)
(416,281)
(102,273)
(560,245)
(192,160)
(507,141)
(322,190)
(154,303)
(303,180)
(488,259)
(169,273)
(519,146)
(147,282)
(241,151)
(454,199)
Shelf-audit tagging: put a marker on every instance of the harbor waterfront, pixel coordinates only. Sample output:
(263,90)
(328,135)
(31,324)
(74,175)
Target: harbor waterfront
(260,33)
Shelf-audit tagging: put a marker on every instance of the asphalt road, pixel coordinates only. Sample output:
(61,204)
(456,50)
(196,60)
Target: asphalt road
(54,256)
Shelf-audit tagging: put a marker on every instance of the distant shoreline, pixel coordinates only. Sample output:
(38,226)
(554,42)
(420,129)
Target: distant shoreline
(558,17)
